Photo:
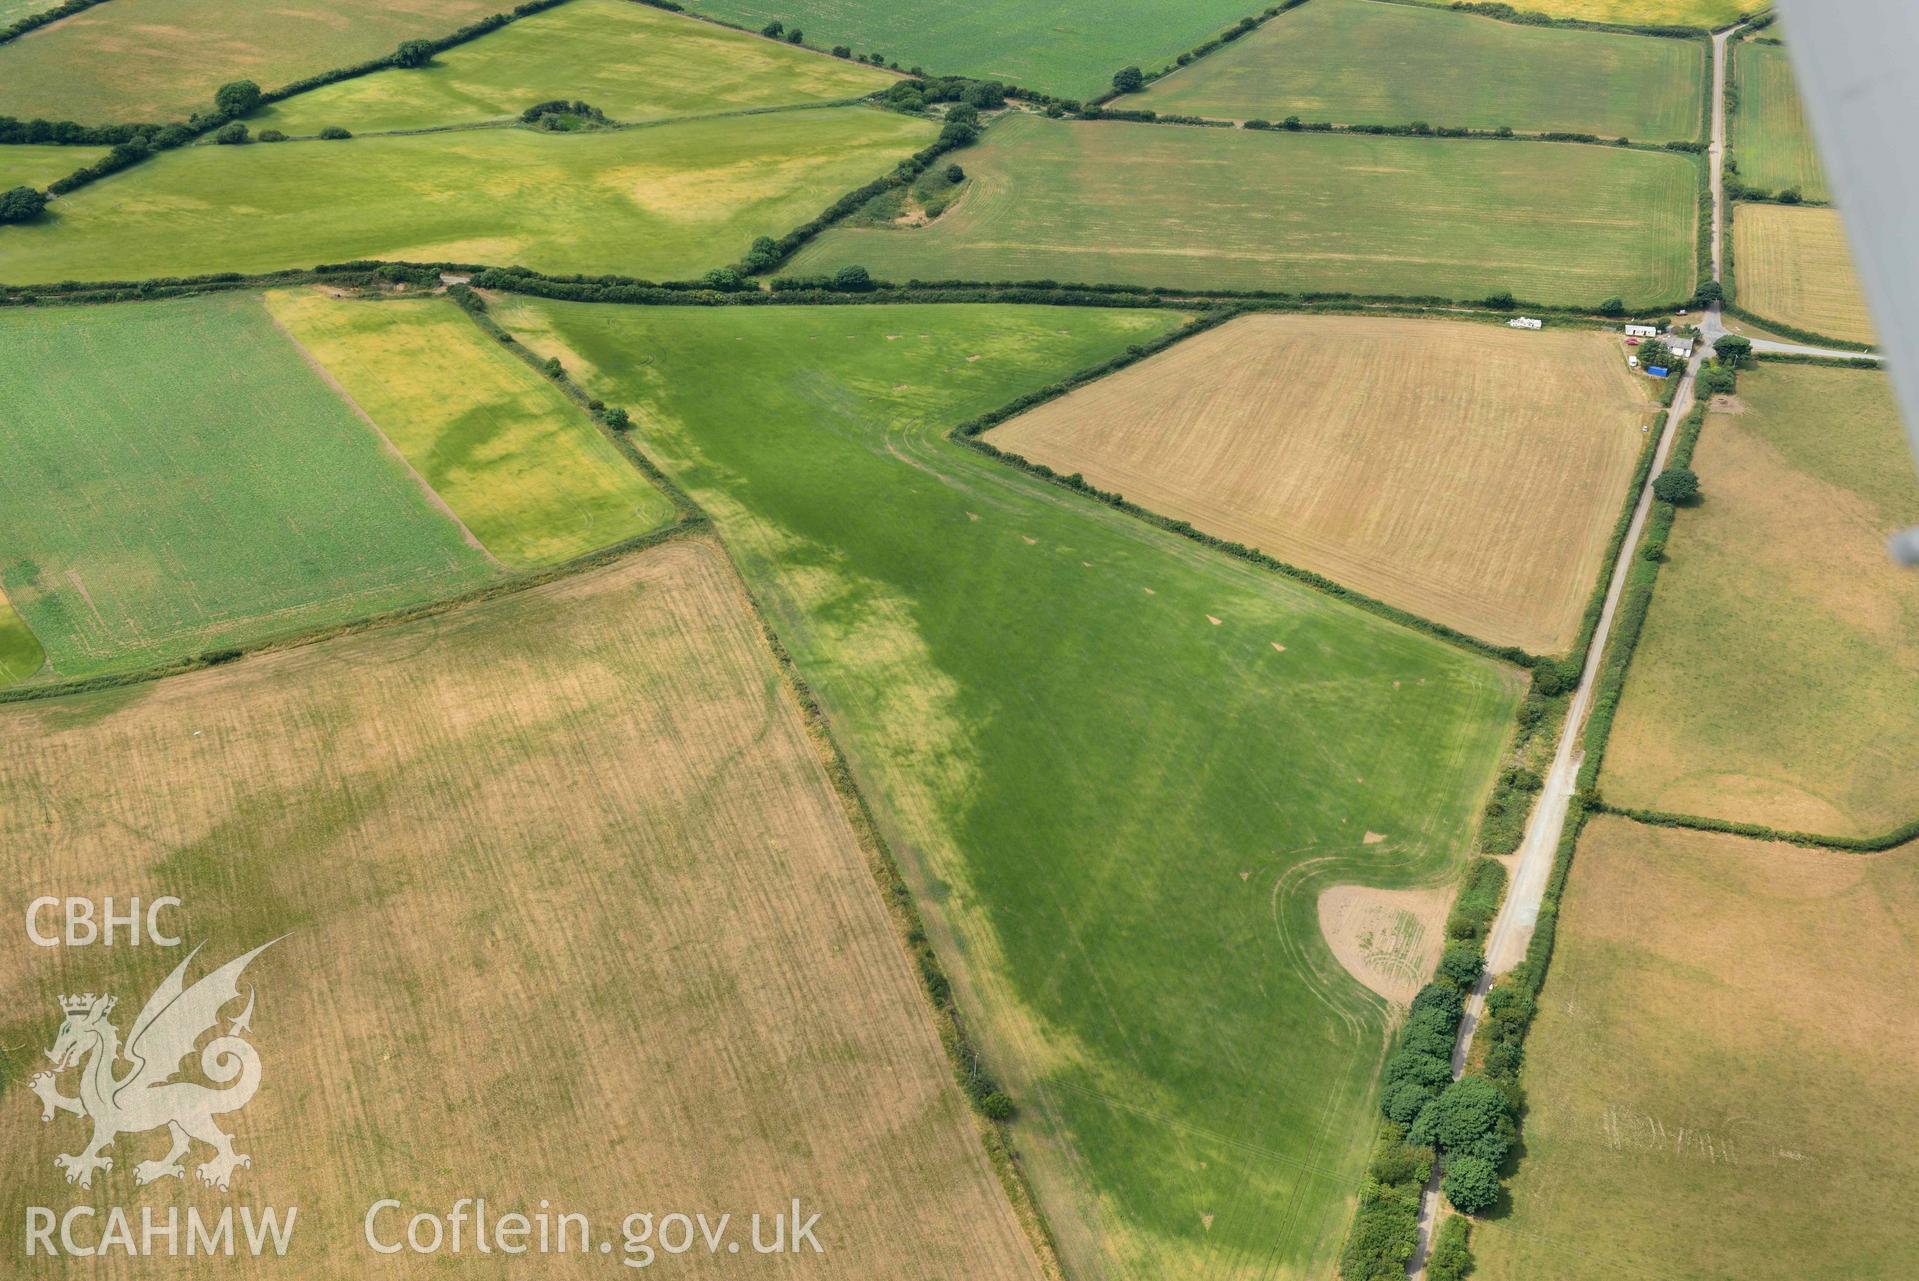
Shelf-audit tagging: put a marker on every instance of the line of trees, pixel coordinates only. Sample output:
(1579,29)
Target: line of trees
(34,21)
(1132,79)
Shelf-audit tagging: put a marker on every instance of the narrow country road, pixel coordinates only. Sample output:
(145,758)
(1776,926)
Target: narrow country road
(1512,930)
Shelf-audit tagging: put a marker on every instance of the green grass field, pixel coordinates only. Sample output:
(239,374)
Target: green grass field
(1793,263)
(1777,680)
(631,61)
(1372,62)
(36,166)
(1771,139)
(1218,209)
(1063,48)
(1719,1084)
(20,652)
(180,480)
(153,60)
(659,202)
(1117,793)
(519,463)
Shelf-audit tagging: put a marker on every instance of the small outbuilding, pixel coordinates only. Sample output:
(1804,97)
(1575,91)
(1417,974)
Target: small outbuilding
(1642,331)
(1525,322)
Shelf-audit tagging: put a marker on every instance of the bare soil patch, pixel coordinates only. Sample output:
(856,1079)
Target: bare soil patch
(1389,940)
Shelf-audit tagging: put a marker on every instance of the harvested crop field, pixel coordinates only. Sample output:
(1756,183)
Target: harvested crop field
(1793,266)
(1720,1080)
(1378,62)
(1777,679)
(180,480)
(1316,439)
(517,461)
(159,60)
(663,202)
(1771,138)
(572,913)
(1122,861)
(1104,202)
(630,61)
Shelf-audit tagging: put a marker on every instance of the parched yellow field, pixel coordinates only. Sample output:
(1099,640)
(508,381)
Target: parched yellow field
(519,463)
(1793,266)
(1720,1081)
(155,60)
(1468,473)
(1693,13)
(572,915)
(631,61)
(1777,678)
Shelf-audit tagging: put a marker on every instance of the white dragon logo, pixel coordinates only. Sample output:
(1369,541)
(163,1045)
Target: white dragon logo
(146,1097)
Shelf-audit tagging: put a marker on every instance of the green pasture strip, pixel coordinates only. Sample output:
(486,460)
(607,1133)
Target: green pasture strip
(1771,139)
(179,480)
(1119,766)
(1115,203)
(1367,62)
(522,466)
(20,652)
(1778,673)
(671,201)
(630,61)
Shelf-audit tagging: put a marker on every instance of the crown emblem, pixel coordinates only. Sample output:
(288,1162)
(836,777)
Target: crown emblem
(81,1004)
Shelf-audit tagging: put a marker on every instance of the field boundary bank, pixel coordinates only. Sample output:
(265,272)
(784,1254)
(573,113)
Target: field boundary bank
(44,18)
(768,252)
(968,434)
(140,141)
(1877,843)
(146,138)
(1737,190)
(1871,360)
(1412,129)
(1238,31)
(962,1053)
(992,1109)
(1518,17)
(634,291)
(615,126)
(1641,581)
(1493,12)
(290,640)
(1731,287)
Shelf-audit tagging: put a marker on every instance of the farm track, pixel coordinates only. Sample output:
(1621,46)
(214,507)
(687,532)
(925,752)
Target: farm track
(1512,929)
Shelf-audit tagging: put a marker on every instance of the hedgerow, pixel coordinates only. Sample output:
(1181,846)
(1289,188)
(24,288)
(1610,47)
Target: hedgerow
(34,21)
(1245,26)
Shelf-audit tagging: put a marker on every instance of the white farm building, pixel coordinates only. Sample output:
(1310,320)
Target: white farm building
(1642,331)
